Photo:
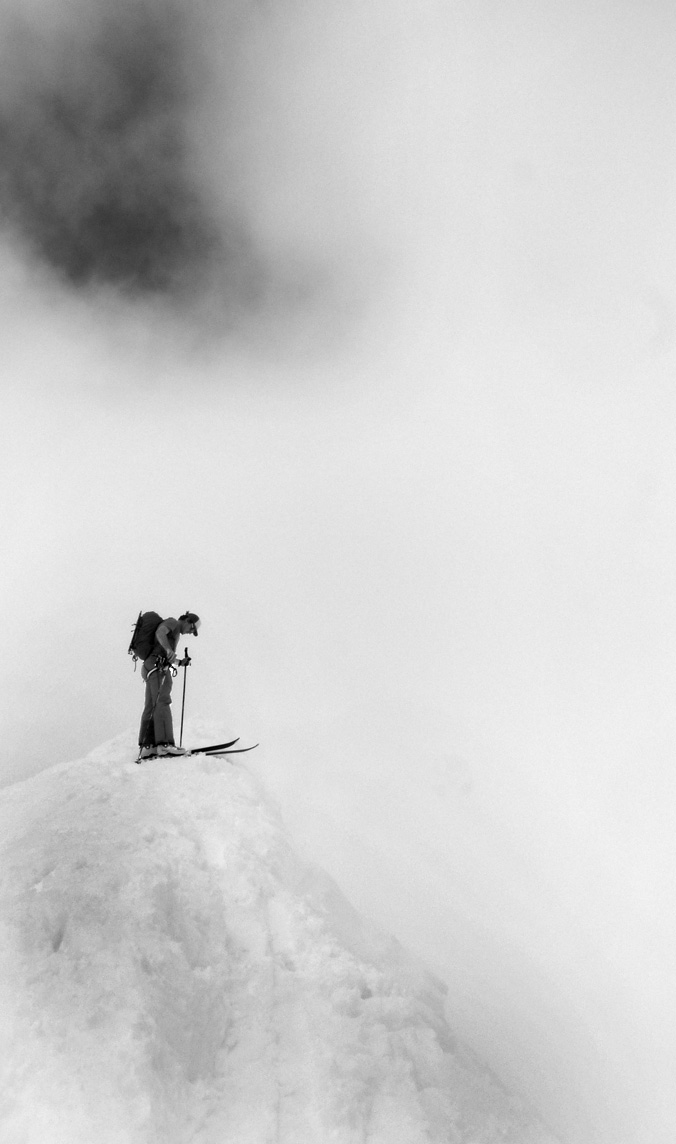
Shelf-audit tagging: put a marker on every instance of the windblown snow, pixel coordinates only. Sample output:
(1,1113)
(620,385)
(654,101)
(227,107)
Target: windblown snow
(173,972)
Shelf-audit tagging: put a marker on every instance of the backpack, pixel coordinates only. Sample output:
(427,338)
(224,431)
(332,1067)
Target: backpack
(143,637)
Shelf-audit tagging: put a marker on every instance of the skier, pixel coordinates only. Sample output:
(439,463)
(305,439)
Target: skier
(156,733)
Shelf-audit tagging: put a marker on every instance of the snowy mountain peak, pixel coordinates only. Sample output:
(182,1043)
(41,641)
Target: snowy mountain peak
(172,973)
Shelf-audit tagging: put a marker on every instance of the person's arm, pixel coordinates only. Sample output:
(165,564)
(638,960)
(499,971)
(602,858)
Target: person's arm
(162,637)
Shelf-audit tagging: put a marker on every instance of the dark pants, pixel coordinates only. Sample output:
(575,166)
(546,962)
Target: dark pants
(156,722)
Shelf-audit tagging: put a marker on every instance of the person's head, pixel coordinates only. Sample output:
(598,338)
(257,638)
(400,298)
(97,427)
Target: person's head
(189,623)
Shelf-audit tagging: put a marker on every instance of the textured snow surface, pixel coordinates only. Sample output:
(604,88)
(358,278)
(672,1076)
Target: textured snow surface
(172,972)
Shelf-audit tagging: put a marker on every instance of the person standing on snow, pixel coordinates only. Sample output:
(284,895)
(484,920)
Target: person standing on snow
(156,734)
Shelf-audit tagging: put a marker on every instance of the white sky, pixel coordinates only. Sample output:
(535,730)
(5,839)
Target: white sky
(425,512)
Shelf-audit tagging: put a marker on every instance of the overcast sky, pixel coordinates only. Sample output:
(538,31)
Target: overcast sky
(378,378)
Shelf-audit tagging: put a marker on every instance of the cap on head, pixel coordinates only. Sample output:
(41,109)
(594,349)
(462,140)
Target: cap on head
(192,619)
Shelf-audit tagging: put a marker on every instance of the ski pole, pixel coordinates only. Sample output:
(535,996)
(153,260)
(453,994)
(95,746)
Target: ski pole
(186,661)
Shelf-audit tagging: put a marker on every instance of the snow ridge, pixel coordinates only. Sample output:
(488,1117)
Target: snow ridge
(172,973)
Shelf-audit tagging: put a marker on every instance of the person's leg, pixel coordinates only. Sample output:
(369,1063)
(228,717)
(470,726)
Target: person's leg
(163,723)
(146,735)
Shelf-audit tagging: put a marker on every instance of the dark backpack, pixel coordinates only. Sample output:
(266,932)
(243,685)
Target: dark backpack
(143,638)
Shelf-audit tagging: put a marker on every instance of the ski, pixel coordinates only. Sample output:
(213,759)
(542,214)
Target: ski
(213,747)
(194,751)
(237,751)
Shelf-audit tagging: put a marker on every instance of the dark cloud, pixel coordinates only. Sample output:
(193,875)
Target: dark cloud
(95,163)
(188,160)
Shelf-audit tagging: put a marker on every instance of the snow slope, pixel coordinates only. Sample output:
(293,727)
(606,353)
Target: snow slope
(172,972)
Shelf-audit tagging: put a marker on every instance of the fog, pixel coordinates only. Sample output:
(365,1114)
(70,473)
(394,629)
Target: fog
(352,330)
